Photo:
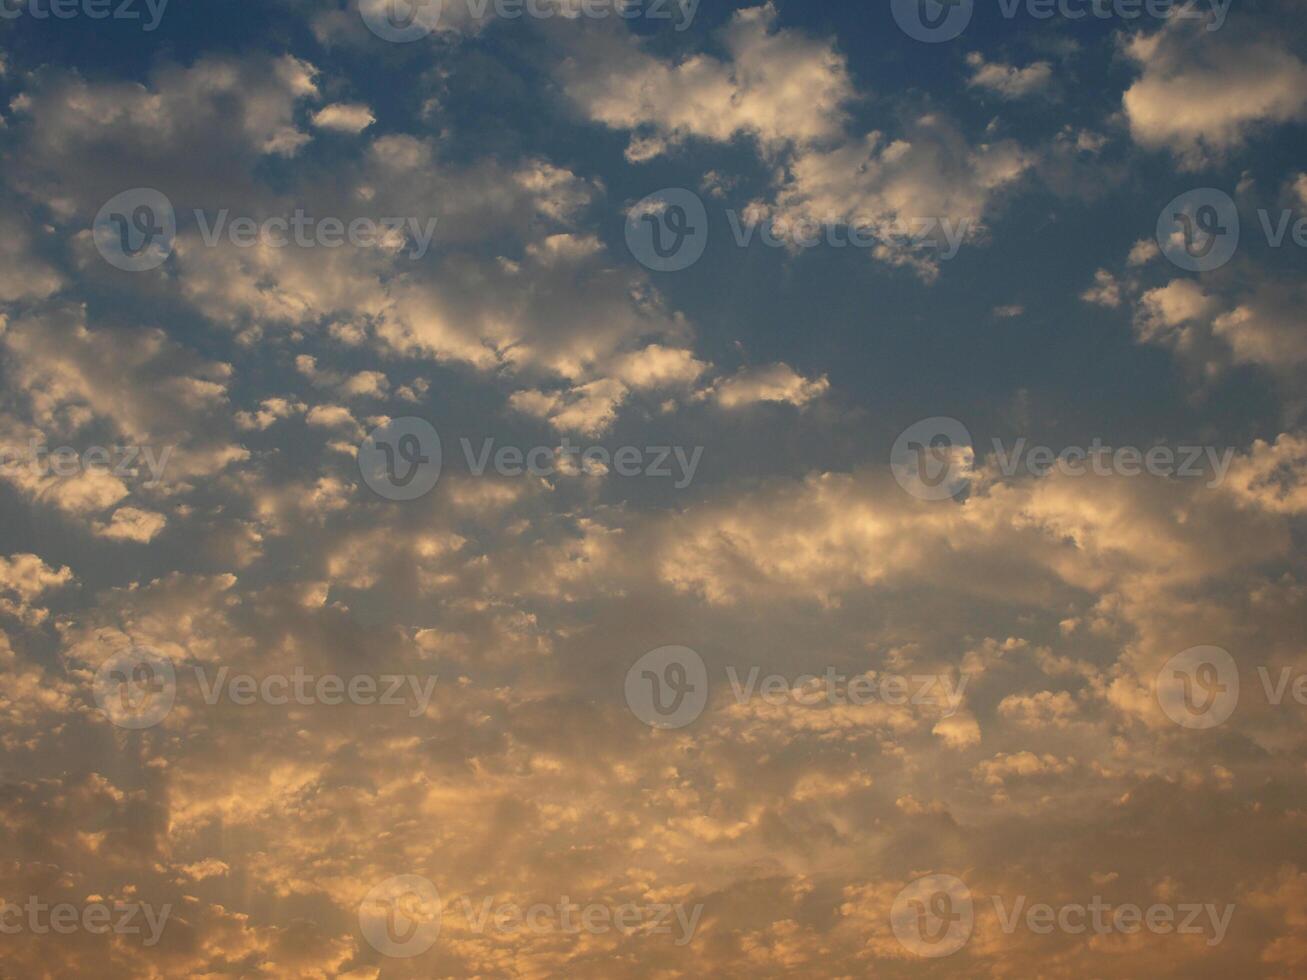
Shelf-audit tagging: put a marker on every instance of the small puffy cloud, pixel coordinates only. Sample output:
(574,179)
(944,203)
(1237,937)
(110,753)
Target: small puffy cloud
(958,730)
(1105,291)
(926,185)
(1202,94)
(132,524)
(270,411)
(344,117)
(23,579)
(332,417)
(1044,709)
(589,408)
(371,384)
(773,383)
(1261,325)
(1143,252)
(1009,81)
(1021,765)
(779,86)
(658,366)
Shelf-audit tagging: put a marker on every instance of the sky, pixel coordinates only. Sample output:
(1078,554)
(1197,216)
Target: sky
(651,489)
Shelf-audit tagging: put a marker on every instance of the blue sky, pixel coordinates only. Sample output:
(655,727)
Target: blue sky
(815,463)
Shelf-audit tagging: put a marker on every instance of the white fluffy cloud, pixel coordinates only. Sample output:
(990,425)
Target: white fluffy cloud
(344,117)
(1204,94)
(778,86)
(1009,81)
(773,383)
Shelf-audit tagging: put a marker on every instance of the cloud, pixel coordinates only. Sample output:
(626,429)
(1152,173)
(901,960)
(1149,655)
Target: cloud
(776,86)
(132,524)
(195,133)
(344,117)
(1009,81)
(23,277)
(24,578)
(773,383)
(1204,95)
(792,94)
